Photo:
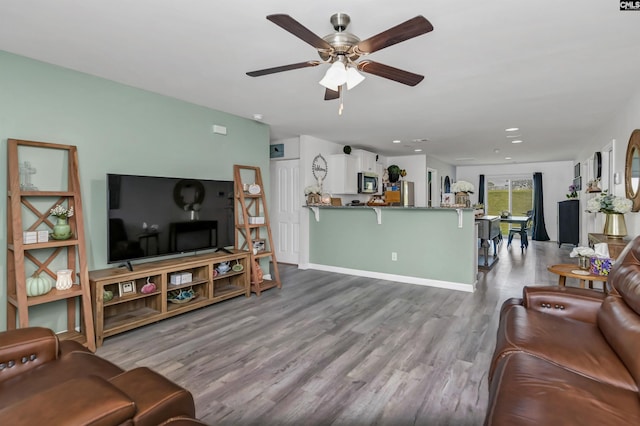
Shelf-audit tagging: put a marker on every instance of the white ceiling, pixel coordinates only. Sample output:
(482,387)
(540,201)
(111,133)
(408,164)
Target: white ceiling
(558,70)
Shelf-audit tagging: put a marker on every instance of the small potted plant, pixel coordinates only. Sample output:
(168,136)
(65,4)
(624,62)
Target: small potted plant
(61,230)
(394,173)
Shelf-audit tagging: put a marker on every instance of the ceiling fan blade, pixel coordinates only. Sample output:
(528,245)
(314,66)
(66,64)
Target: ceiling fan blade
(283,68)
(395,74)
(297,29)
(409,29)
(330,95)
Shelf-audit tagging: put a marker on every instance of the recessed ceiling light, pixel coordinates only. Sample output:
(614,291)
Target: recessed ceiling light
(257,117)
(397,141)
(418,150)
(511,129)
(507,158)
(516,141)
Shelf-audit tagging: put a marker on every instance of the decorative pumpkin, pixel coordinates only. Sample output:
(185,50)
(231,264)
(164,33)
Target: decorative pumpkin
(259,273)
(107,295)
(37,285)
(148,288)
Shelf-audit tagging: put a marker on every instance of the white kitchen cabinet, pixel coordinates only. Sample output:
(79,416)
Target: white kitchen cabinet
(366,160)
(342,174)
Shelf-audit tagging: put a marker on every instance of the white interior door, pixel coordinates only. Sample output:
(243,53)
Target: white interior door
(285,210)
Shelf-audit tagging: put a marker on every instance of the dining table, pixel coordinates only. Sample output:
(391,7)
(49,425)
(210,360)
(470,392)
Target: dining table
(523,222)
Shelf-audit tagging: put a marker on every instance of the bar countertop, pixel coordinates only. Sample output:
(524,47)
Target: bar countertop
(367,206)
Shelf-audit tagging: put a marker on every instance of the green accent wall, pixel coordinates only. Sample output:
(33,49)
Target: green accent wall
(428,242)
(117,129)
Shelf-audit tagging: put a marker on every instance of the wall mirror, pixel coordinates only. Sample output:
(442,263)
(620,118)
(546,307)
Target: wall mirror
(632,170)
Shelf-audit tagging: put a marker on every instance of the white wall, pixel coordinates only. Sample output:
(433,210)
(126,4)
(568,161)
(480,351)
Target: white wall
(617,132)
(444,170)
(556,178)
(310,147)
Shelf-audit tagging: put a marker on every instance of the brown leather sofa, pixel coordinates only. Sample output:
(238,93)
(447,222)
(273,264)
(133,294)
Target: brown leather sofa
(570,356)
(44,381)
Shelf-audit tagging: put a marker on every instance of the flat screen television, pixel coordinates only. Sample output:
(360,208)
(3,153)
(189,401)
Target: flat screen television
(151,216)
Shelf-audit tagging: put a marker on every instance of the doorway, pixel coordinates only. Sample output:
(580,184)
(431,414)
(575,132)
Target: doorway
(433,190)
(284,210)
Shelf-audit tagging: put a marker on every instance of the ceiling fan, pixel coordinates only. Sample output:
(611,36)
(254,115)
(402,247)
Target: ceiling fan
(343,49)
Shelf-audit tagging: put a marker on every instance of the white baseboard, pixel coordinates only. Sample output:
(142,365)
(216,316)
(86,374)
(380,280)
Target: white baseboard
(469,288)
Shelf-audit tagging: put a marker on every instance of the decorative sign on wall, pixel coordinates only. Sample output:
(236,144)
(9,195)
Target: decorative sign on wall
(276,150)
(319,168)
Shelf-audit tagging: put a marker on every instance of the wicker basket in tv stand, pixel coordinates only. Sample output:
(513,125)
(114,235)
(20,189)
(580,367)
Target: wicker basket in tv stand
(135,309)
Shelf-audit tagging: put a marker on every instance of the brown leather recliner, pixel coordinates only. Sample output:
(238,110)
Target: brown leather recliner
(570,355)
(44,381)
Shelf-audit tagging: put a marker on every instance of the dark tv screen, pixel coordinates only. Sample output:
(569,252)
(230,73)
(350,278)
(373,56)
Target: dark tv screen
(151,216)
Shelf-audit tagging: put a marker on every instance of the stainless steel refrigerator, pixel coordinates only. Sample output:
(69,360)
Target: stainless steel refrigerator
(406,194)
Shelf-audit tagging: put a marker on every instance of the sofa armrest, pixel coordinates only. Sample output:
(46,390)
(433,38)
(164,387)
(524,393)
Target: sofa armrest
(156,397)
(25,348)
(575,303)
(88,400)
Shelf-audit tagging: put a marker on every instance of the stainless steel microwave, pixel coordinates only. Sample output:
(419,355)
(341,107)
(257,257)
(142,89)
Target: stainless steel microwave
(367,183)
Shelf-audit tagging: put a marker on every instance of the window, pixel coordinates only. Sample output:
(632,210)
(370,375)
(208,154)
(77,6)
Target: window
(511,193)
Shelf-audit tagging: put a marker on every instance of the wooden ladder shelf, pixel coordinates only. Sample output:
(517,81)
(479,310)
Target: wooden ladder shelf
(251,223)
(23,204)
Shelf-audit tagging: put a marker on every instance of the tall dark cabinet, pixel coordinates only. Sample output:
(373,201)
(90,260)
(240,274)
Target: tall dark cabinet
(569,222)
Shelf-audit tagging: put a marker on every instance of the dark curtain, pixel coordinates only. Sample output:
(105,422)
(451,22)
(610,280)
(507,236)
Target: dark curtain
(481,190)
(539,232)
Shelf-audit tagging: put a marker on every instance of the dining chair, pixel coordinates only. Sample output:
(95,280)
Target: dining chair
(522,231)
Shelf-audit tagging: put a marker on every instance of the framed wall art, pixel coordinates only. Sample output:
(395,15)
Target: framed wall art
(577,182)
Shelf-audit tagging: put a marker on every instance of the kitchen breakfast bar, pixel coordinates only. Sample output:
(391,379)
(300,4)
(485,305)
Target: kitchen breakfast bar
(427,246)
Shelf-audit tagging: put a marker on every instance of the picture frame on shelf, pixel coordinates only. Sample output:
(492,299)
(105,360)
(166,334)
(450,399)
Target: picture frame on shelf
(126,288)
(259,245)
(448,198)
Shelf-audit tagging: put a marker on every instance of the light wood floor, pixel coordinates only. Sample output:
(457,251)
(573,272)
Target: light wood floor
(330,349)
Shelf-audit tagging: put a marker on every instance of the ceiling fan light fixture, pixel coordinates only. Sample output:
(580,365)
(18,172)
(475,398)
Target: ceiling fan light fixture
(353,78)
(335,76)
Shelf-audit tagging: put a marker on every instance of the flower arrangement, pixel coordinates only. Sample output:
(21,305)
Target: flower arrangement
(582,252)
(61,211)
(312,189)
(573,193)
(609,203)
(462,186)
